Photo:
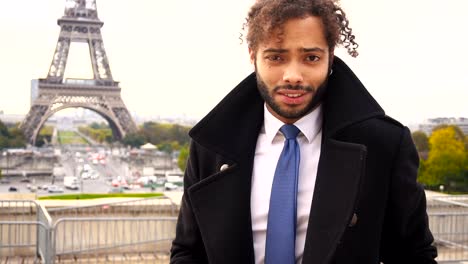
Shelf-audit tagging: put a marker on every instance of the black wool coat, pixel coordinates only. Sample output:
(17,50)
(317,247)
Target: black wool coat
(366,207)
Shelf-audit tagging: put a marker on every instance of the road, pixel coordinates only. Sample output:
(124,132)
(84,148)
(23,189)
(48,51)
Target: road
(73,161)
(105,165)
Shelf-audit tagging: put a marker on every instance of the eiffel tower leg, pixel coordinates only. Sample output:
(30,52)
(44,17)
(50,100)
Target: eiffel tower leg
(32,121)
(99,60)
(125,120)
(59,61)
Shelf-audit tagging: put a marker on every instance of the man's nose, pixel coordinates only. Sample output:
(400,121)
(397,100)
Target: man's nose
(292,74)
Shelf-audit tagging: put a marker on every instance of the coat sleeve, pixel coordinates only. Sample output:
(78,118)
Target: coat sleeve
(406,236)
(187,246)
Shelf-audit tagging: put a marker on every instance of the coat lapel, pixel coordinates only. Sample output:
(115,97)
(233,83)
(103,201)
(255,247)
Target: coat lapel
(336,189)
(221,204)
(341,164)
(221,201)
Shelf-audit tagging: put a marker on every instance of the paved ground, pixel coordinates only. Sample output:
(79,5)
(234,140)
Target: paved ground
(120,259)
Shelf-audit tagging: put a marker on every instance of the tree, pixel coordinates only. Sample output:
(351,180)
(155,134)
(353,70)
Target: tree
(447,162)
(4,130)
(183,156)
(458,132)
(133,139)
(421,141)
(11,137)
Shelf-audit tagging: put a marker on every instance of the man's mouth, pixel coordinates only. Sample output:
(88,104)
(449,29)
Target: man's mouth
(292,97)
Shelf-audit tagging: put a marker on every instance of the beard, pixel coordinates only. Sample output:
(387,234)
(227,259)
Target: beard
(317,98)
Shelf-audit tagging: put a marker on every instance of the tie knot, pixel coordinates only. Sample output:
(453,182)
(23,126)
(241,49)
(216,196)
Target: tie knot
(289,131)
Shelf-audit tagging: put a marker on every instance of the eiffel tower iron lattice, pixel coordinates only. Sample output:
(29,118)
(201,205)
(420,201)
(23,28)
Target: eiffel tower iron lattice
(101,94)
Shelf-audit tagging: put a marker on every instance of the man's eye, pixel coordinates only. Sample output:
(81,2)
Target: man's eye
(312,58)
(274,58)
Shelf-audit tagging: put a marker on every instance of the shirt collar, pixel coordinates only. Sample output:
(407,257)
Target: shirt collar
(309,125)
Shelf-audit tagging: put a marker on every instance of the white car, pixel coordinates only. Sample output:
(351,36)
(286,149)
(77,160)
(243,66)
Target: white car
(169,186)
(94,175)
(85,175)
(54,189)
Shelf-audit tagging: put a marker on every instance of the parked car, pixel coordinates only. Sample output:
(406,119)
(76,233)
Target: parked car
(169,186)
(4,181)
(54,189)
(116,190)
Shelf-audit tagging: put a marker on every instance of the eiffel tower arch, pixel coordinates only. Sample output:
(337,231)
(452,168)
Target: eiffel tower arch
(101,94)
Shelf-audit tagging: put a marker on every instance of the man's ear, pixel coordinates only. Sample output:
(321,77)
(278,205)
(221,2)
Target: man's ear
(331,57)
(252,56)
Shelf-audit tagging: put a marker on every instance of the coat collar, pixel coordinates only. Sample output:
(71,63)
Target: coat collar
(346,102)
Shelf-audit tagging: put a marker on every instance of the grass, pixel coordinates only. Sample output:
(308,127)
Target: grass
(70,137)
(86,196)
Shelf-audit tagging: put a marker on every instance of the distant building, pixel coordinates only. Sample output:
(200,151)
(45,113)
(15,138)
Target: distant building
(11,119)
(428,126)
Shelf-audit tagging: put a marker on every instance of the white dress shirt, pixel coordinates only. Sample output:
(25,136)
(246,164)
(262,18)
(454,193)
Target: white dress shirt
(269,146)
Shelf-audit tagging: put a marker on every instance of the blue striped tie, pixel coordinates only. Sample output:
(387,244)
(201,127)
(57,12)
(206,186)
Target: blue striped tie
(281,231)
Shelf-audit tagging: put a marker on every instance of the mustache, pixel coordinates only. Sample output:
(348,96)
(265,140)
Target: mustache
(294,87)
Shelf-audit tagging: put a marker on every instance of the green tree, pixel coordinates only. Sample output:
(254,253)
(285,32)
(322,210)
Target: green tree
(421,141)
(134,140)
(165,147)
(447,162)
(4,130)
(11,136)
(183,156)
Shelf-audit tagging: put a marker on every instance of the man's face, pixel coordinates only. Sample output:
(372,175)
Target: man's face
(291,71)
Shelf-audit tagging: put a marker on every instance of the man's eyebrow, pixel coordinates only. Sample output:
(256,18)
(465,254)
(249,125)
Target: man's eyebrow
(273,50)
(317,49)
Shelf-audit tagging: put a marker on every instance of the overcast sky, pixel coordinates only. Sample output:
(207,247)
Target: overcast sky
(181,57)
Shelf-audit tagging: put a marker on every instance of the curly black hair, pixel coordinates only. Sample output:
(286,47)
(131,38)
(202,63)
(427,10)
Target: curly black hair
(266,16)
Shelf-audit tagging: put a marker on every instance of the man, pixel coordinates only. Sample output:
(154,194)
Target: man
(347,175)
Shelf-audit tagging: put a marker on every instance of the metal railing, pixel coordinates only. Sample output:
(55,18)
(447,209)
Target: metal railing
(95,238)
(19,239)
(448,221)
(44,247)
(136,231)
(149,207)
(141,230)
(22,232)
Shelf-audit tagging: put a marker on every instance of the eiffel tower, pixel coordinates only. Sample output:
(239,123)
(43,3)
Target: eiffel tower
(101,94)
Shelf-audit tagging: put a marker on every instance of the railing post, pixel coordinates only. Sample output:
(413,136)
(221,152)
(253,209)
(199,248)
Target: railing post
(44,237)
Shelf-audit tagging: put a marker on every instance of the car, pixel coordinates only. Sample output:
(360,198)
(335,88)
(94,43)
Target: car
(54,189)
(25,180)
(116,190)
(169,186)
(12,189)
(94,175)
(4,181)
(85,175)
(33,189)
(73,186)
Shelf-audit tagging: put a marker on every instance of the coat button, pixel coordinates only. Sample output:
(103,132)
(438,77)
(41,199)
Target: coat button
(353,220)
(223,167)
